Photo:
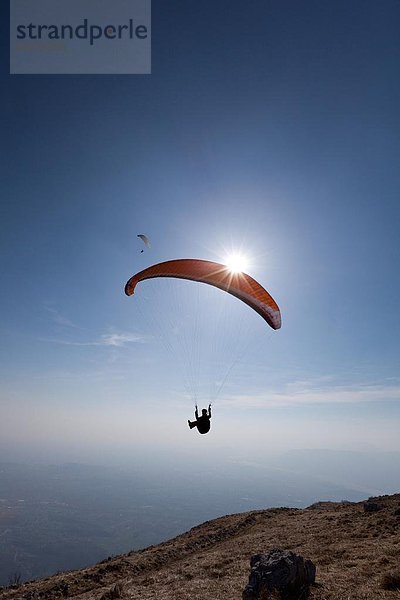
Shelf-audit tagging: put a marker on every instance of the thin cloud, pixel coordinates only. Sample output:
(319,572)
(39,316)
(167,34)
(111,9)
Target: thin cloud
(113,340)
(122,339)
(59,318)
(303,393)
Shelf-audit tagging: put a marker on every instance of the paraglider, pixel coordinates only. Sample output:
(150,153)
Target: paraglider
(235,283)
(203,422)
(238,284)
(145,240)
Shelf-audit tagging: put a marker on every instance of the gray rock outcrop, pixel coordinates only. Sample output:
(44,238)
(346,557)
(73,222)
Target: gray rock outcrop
(279,571)
(371,506)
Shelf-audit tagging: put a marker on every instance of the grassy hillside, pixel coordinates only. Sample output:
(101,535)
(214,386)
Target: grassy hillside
(357,554)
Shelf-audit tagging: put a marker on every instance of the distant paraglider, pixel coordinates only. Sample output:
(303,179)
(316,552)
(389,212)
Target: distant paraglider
(145,240)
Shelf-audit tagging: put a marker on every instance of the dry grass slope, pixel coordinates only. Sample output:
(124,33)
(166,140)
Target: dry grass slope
(357,555)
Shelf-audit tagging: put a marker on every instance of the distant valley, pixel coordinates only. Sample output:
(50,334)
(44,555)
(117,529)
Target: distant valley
(62,517)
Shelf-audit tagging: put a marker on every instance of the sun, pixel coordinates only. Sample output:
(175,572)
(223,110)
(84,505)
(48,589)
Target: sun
(236,263)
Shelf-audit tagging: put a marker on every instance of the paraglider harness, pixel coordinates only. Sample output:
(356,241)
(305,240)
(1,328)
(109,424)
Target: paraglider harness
(202,422)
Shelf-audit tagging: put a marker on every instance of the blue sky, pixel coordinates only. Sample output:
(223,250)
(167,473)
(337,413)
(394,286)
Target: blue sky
(272,129)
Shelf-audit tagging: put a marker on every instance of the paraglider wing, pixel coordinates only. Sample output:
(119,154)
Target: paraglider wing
(240,285)
(145,239)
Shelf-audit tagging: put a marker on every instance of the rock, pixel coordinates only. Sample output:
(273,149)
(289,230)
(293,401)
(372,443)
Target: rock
(370,506)
(279,571)
(113,593)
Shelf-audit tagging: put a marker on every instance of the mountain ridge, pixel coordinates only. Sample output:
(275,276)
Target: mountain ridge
(355,546)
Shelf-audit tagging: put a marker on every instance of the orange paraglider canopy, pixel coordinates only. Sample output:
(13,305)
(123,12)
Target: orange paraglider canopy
(239,284)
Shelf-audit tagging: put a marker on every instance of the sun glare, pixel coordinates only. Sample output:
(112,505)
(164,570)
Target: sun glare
(236,263)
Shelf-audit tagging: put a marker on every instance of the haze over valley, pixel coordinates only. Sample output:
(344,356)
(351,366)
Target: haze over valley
(61,517)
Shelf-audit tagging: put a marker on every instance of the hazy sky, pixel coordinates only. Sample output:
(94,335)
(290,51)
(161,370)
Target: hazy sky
(270,128)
